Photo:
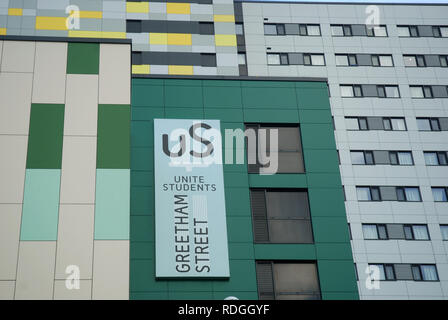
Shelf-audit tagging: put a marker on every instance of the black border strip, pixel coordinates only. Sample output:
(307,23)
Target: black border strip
(242,78)
(423,4)
(65,39)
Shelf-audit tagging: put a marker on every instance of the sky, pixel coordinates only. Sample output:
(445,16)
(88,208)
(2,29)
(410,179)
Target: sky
(366,1)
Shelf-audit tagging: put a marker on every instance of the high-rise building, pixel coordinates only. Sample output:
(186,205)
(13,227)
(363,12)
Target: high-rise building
(93,204)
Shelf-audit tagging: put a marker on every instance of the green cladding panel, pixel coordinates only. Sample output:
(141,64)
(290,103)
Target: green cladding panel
(83,58)
(235,103)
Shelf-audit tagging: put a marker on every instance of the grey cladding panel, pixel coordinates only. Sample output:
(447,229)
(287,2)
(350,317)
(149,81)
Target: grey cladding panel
(364,59)
(369,90)
(381,157)
(359,30)
(295,58)
(443,123)
(292,28)
(403,272)
(440,91)
(388,193)
(432,60)
(375,123)
(395,231)
(425,31)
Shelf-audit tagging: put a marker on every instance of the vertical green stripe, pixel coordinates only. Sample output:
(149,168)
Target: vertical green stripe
(114,123)
(46,135)
(83,58)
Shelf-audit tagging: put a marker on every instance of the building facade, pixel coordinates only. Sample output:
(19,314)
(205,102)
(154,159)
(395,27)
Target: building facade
(362,112)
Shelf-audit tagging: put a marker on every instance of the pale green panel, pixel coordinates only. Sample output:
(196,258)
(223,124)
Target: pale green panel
(41,205)
(112,204)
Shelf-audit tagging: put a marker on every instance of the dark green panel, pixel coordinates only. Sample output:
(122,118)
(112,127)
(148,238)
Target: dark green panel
(113,136)
(83,58)
(317,136)
(337,276)
(222,97)
(333,206)
(321,161)
(45,136)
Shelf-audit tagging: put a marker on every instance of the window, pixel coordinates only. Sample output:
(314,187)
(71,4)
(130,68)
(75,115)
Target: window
(420,92)
(270,29)
(409,194)
(287,281)
(424,272)
(356,123)
(408,31)
(368,193)
(387,271)
(401,158)
(436,158)
(273,59)
(444,61)
(281,216)
(313,30)
(362,158)
(392,92)
(444,231)
(342,60)
(289,153)
(378,31)
(239,30)
(440,194)
(386,61)
(428,124)
(416,232)
(314,59)
(284,59)
(351,91)
(398,124)
(281,29)
(444,32)
(241,58)
(375,232)
(414,61)
(440,32)
(337,31)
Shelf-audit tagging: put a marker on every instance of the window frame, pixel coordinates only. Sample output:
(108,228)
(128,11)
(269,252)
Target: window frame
(401,194)
(385,266)
(438,155)
(445,190)
(415,266)
(397,155)
(411,228)
(372,191)
(372,32)
(442,226)
(379,235)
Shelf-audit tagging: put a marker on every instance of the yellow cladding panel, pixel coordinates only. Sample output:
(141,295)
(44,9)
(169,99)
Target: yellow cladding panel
(51,23)
(2,31)
(225,40)
(179,39)
(158,38)
(140,69)
(137,7)
(178,8)
(15,12)
(224,18)
(180,70)
(96,34)
(91,14)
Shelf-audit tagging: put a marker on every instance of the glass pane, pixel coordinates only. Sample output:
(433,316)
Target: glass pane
(408,233)
(375,61)
(270,29)
(410,61)
(390,274)
(295,278)
(431,159)
(287,205)
(289,139)
(341,60)
(439,194)
(386,61)
(281,29)
(307,60)
(239,29)
(398,124)
(337,31)
(290,231)
(435,125)
(347,30)
(381,270)
(443,161)
(427,92)
(363,194)
(288,162)
(393,158)
(387,124)
(273,59)
(351,124)
(284,59)
(313,30)
(444,230)
(352,60)
(382,233)
(380,31)
(405,158)
(444,61)
(317,60)
(347,91)
(357,157)
(369,158)
(444,32)
(370,232)
(421,61)
(420,232)
(241,58)
(392,92)
(423,125)
(417,92)
(412,194)
(400,194)
(414,31)
(403,32)
(416,273)
(375,193)
(429,273)
(363,124)
(303,31)
(357,91)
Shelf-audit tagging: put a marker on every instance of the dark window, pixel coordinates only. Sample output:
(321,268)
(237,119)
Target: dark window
(413,30)
(287,281)
(409,194)
(425,272)
(133,26)
(206,28)
(375,192)
(436,32)
(208,59)
(284,58)
(381,91)
(281,216)
(416,232)
(363,124)
(444,61)
(347,30)
(281,29)
(352,61)
(357,90)
(387,124)
(303,30)
(421,61)
(375,61)
(369,158)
